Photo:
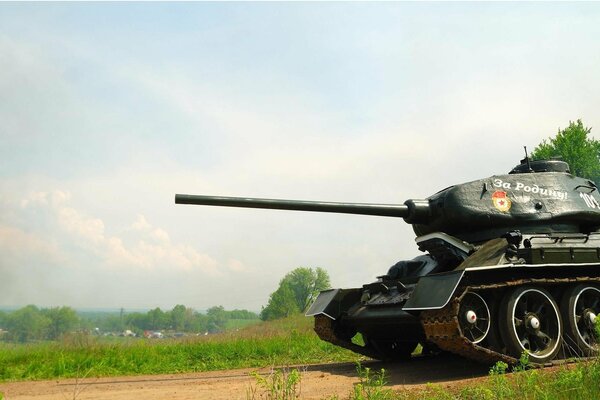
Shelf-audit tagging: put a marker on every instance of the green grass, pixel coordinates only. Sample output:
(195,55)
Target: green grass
(281,384)
(570,382)
(580,381)
(284,342)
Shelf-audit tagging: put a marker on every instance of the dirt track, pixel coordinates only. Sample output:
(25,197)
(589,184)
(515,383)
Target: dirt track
(318,382)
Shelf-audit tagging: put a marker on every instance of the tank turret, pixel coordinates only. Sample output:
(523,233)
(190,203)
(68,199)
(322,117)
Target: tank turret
(535,197)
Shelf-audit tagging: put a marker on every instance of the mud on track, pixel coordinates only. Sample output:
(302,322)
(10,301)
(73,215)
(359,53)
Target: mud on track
(318,382)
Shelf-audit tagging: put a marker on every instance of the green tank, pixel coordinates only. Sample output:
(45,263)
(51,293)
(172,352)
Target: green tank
(510,264)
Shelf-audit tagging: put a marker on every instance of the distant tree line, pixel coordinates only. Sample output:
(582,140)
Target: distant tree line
(296,291)
(32,323)
(179,319)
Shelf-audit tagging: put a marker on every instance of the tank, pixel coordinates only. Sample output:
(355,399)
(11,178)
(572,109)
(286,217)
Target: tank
(510,264)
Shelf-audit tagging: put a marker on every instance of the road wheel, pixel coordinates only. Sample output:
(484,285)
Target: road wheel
(579,307)
(530,322)
(474,317)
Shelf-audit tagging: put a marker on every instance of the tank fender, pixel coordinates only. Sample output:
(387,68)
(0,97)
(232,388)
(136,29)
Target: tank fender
(433,292)
(334,302)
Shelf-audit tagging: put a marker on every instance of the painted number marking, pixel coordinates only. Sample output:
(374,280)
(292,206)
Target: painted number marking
(590,201)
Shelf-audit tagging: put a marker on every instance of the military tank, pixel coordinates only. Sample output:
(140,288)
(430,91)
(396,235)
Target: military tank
(511,265)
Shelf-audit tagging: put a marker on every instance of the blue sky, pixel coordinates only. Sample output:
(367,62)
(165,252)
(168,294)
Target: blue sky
(108,109)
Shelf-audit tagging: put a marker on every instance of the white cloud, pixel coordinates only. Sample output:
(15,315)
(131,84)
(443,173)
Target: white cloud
(141,224)
(148,247)
(236,265)
(76,224)
(156,234)
(17,246)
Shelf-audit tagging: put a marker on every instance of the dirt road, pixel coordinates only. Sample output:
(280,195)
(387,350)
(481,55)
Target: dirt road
(317,382)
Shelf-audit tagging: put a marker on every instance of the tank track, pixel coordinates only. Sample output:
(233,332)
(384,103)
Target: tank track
(442,328)
(325,329)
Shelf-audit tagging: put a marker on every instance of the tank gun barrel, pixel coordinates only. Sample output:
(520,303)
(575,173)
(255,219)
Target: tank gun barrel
(386,210)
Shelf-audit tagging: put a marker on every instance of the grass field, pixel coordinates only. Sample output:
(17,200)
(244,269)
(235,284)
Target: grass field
(284,342)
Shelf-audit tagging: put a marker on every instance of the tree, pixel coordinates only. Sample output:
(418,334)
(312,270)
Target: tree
(27,323)
(198,322)
(62,320)
(217,319)
(178,317)
(574,145)
(295,293)
(157,319)
(112,323)
(282,303)
(137,322)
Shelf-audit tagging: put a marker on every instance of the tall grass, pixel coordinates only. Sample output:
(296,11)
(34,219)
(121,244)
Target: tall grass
(284,342)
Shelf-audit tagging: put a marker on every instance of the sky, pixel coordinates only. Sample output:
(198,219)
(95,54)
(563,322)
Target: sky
(109,109)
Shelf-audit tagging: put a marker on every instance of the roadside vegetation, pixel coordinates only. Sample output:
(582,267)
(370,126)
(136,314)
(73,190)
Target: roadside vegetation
(570,382)
(289,341)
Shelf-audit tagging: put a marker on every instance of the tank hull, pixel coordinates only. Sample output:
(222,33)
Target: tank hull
(437,324)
